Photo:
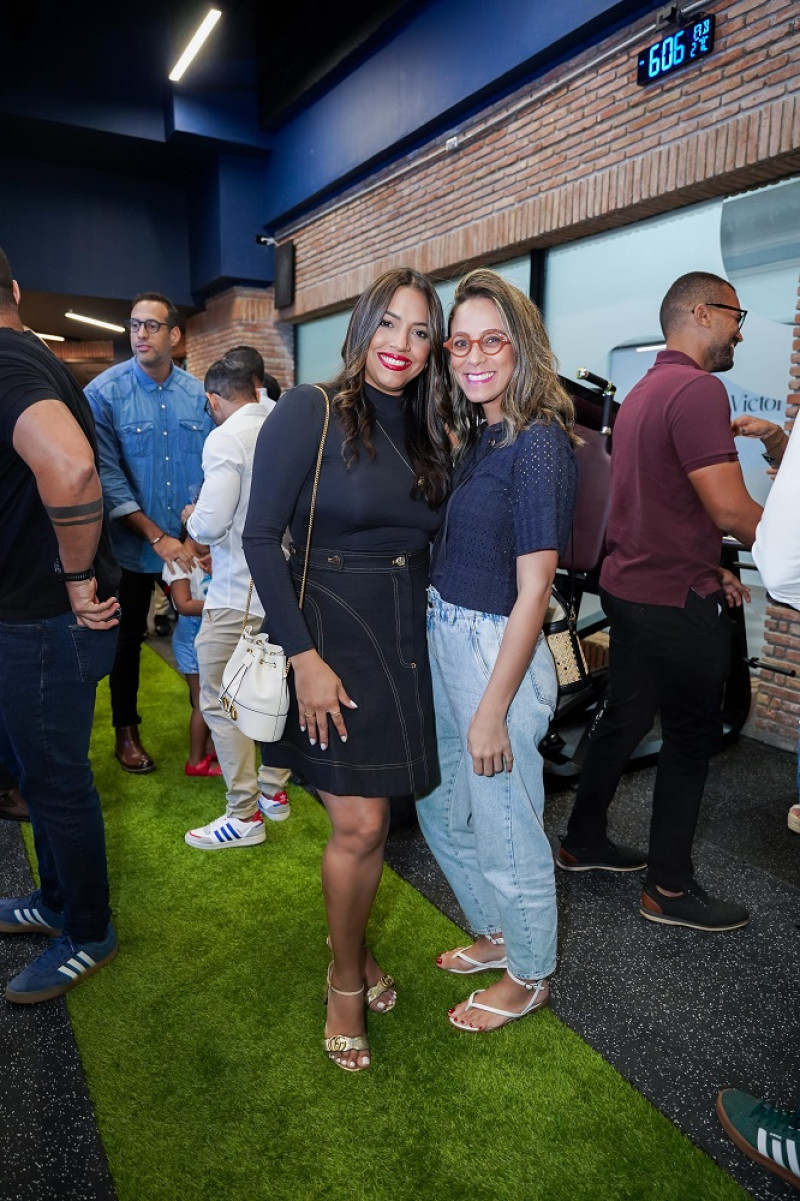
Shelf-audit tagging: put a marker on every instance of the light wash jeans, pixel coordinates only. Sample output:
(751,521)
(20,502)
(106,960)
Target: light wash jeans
(486,831)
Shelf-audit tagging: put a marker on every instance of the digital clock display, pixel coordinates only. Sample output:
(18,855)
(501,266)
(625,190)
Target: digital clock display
(682,48)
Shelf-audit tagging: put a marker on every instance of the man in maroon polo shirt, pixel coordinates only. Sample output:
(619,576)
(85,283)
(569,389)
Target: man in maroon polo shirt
(676,484)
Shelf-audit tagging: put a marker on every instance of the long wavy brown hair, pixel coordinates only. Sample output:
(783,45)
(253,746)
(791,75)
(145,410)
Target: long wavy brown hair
(427,444)
(534,392)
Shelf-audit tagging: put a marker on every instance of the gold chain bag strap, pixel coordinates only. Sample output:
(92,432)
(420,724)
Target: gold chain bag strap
(255,692)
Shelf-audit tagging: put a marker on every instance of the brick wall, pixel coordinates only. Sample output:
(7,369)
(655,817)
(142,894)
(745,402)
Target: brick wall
(581,150)
(777,698)
(85,360)
(70,351)
(241,316)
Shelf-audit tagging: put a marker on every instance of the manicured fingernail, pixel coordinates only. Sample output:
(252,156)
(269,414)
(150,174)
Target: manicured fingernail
(313,741)
(323,746)
(352,704)
(344,738)
(302,729)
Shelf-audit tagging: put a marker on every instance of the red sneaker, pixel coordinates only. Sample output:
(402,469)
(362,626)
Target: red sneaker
(206,767)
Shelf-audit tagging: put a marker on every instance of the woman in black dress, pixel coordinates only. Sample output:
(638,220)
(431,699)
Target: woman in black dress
(360,726)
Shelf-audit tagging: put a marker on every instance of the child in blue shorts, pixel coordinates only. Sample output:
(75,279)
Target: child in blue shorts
(188,592)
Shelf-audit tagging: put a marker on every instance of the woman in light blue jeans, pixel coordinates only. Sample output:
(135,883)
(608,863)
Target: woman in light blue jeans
(508,520)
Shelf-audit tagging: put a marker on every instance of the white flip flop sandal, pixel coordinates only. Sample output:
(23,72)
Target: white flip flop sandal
(540,995)
(476,965)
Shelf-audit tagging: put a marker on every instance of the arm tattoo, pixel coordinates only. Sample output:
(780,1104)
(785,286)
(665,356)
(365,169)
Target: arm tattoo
(88,514)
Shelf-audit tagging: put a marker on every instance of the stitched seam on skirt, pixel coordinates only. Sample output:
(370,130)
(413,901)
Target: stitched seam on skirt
(327,760)
(382,659)
(413,670)
(309,601)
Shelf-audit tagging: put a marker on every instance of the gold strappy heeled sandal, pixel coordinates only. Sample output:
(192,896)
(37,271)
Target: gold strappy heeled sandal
(381,986)
(338,1044)
(373,991)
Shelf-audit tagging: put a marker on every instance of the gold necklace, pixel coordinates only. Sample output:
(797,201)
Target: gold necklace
(399,454)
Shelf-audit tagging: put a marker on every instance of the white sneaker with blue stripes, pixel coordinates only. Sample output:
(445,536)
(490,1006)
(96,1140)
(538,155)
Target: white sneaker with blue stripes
(227,832)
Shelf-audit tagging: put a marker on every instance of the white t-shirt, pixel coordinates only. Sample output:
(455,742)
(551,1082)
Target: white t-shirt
(199,580)
(776,549)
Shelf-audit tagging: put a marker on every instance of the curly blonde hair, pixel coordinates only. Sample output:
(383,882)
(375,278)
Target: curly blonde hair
(534,393)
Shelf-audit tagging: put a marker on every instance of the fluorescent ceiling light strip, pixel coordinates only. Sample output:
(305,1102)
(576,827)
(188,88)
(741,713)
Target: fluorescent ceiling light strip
(652,346)
(49,337)
(119,329)
(207,24)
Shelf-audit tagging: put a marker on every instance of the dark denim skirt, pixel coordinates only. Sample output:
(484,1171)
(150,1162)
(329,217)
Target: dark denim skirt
(367,615)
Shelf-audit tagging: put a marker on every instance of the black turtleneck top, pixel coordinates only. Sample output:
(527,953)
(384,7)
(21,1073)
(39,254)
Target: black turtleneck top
(367,506)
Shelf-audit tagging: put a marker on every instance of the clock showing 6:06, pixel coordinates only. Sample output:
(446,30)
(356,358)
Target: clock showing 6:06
(680,49)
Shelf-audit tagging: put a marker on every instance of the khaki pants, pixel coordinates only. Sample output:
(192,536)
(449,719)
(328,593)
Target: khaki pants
(215,644)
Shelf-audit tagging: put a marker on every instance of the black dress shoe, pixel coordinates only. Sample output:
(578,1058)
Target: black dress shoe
(12,806)
(131,754)
(162,625)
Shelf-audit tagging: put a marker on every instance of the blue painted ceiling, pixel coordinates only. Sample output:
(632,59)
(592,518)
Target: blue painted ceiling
(286,106)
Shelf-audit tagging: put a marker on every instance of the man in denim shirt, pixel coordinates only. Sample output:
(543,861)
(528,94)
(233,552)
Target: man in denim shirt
(151,426)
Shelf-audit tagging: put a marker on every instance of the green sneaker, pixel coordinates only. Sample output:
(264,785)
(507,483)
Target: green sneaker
(769,1136)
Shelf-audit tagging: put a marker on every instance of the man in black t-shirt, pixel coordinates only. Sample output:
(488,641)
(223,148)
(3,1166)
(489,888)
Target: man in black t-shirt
(58,619)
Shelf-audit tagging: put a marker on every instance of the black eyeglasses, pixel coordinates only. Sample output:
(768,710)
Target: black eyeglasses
(714,304)
(151,325)
(491,341)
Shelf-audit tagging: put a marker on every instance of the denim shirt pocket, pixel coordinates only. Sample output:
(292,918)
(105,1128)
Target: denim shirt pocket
(137,439)
(191,437)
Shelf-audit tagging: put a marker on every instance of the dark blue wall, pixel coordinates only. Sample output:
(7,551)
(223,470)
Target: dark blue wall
(445,61)
(95,233)
(186,223)
(226,211)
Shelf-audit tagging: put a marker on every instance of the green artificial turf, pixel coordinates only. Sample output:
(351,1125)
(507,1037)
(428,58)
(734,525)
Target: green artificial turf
(202,1041)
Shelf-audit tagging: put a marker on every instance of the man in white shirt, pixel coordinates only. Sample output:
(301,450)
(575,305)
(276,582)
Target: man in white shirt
(217,520)
(776,549)
(268,390)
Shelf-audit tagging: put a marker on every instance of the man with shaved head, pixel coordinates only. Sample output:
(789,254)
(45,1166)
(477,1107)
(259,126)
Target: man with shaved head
(676,487)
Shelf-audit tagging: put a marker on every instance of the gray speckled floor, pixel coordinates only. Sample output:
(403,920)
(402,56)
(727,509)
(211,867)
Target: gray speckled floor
(680,1013)
(49,1146)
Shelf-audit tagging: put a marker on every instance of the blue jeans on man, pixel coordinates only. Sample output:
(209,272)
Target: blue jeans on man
(49,671)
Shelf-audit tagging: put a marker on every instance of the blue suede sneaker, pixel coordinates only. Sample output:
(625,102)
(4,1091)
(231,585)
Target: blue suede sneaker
(62,966)
(29,915)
